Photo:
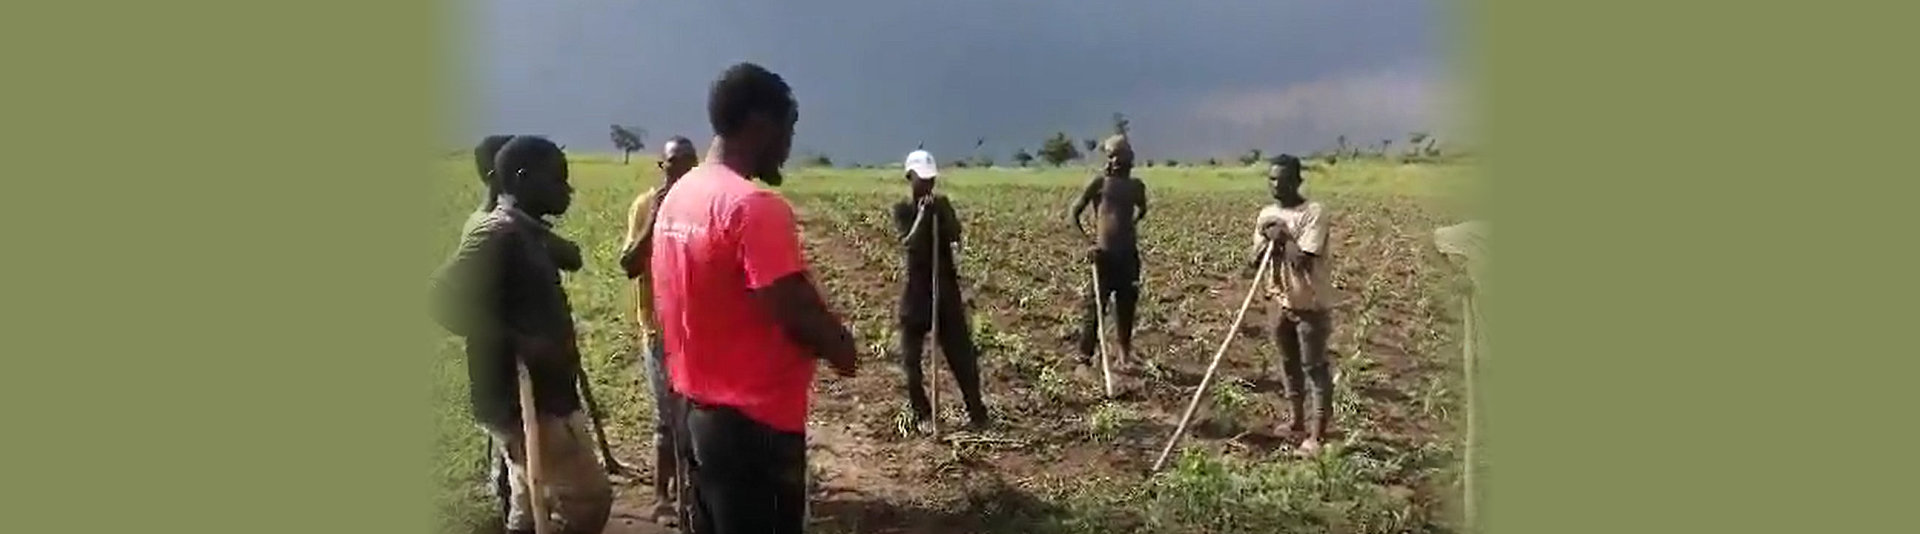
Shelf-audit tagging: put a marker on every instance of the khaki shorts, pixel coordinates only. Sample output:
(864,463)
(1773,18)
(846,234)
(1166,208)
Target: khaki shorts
(575,488)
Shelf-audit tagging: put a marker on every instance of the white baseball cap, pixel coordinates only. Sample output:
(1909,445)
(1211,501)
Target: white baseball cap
(920,163)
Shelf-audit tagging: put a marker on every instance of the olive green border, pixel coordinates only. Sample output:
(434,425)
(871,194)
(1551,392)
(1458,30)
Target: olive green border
(1695,228)
(213,250)
(213,316)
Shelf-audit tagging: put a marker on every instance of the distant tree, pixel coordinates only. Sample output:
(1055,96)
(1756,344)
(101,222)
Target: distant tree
(1092,145)
(1171,163)
(1213,162)
(1386,145)
(983,161)
(1251,157)
(1120,123)
(1059,149)
(820,160)
(628,139)
(960,163)
(1340,145)
(1022,158)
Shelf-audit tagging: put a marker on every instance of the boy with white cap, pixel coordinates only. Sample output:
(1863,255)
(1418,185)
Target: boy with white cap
(914,220)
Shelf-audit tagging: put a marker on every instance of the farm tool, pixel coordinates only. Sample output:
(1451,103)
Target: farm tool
(613,465)
(933,330)
(536,466)
(1100,329)
(1266,260)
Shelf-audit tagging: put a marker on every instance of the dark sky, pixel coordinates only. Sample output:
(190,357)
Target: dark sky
(874,78)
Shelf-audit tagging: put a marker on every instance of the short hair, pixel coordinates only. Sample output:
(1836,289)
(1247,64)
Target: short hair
(682,141)
(1286,161)
(484,152)
(743,90)
(521,153)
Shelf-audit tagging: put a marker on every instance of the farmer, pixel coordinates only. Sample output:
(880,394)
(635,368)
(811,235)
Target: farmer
(564,253)
(743,320)
(913,218)
(676,158)
(501,288)
(1298,287)
(1121,203)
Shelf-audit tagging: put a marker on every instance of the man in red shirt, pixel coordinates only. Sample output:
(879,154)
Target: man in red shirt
(742,319)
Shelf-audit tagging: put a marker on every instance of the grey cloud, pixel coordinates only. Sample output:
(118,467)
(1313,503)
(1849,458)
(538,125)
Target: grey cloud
(875,78)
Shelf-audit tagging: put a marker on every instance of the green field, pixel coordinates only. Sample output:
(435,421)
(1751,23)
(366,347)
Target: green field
(1062,459)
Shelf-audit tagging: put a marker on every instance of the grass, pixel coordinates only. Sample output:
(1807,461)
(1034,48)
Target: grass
(1395,345)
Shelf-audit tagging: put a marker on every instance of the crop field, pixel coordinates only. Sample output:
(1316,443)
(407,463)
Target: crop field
(1061,458)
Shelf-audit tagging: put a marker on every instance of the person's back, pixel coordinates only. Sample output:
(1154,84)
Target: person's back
(717,237)
(742,317)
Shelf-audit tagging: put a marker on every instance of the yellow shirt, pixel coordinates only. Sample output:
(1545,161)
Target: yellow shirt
(639,224)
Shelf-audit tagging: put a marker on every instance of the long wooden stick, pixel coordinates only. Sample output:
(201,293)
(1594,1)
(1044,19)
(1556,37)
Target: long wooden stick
(612,464)
(536,468)
(503,482)
(933,329)
(1100,326)
(1266,259)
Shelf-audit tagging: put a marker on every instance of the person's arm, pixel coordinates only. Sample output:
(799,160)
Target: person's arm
(460,290)
(776,273)
(633,250)
(1266,229)
(565,253)
(1140,204)
(949,222)
(1312,239)
(906,220)
(1088,196)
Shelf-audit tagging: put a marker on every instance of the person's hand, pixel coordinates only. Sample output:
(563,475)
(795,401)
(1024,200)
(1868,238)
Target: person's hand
(628,257)
(845,365)
(1274,232)
(565,253)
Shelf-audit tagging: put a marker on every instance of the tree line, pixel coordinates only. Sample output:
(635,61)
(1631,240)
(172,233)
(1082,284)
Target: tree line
(1061,148)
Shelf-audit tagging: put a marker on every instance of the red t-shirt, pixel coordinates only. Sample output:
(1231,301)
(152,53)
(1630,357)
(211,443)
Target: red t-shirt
(720,236)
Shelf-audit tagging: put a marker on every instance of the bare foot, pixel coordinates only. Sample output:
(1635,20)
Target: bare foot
(979,423)
(1289,430)
(664,515)
(1309,448)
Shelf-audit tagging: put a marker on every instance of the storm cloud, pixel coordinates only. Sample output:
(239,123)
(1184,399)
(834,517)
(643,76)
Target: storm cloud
(877,77)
